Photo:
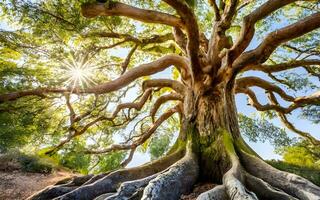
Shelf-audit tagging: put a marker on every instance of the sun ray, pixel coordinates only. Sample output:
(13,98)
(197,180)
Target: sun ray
(78,74)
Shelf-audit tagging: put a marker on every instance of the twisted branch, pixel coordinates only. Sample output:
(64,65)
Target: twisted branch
(274,39)
(91,10)
(141,139)
(123,81)
(163,99)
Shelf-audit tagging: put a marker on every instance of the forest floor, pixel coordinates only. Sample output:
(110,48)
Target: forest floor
(197,190)
(17,185)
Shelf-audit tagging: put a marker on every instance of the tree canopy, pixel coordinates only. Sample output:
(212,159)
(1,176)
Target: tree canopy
(84,78)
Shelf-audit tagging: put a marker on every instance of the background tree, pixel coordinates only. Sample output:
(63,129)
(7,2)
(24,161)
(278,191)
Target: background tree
(215,47)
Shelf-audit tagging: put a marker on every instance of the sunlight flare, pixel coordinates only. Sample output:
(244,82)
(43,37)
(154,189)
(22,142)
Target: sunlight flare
(78,75)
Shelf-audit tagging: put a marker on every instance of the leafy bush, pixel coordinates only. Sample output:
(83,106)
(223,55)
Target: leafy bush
(15,160)
(302,154)
(34,164)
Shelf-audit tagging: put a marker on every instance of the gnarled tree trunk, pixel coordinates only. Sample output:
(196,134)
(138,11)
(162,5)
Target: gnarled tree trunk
(210,133)
(215,113)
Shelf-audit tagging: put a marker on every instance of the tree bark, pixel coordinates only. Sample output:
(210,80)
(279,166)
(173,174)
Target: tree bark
(215,113)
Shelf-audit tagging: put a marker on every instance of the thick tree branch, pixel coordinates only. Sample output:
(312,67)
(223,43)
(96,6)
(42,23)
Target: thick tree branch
(283,66)
(298,102)
(91,10)
(229,13)
(163,99)
(253,101)
(35,92)
(250,81)
(191,26)
(180,38)
(274,39)
(123,81)
(219,41)
(141,139)
(216,10)
(247,30)
(161,83)
(140,41)
(138,105)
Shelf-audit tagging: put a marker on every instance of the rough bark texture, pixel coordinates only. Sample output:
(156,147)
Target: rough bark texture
(217,193)
(178,180)
(290,183)
(216,113)
(110,182)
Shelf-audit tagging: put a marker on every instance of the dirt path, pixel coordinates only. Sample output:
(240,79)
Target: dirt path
(18,185)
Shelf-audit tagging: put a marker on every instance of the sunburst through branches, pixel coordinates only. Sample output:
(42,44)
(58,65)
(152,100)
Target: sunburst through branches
(79,73)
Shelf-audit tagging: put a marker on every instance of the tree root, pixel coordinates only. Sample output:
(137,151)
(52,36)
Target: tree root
(175,181)
(264,190)
(107,183)
(233,179)
(95,178)
(217,193)
(51,192)
(128,190)
(291,184)
(104,196)
(234,187)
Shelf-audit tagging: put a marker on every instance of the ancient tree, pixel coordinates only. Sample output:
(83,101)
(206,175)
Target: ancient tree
(211,61)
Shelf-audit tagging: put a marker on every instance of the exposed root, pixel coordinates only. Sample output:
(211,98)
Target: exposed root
(51,192)
(217,193)
(95,178)
(235,189)
(264,190)
(108,183)
(233,179)
(128,190)
(64,186)
(104,196)
(75,181)
(177,180)
(290,183)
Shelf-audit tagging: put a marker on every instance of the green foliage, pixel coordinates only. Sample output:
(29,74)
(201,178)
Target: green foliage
(299,156)
(256,129)
(76,161)
(191,3)
(105,163)
(158,146)
(297,81)
(15,160)
(312,113)
(34,164)
(302,154)
(24,121)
